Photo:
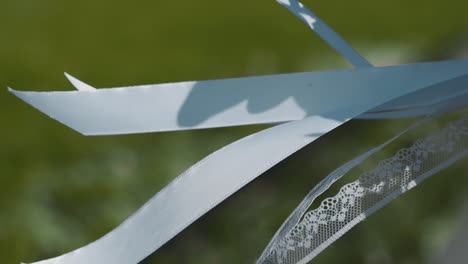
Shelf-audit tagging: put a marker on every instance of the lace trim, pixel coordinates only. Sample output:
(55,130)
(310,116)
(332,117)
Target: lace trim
(357,200)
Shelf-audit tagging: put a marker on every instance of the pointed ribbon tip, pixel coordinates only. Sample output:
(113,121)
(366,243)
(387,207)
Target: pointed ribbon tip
(79,85)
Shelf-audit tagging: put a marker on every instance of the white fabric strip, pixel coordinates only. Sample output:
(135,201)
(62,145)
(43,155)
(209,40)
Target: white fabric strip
(441,108)
(320,188)
(327,99)
(411,105)
(196,191)
(230,102)
(325,32)
(300,241)
(188,197)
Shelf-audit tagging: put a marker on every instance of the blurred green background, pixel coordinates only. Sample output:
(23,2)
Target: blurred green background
(61,190)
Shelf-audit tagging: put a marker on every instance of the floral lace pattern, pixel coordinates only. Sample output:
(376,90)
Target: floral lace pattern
(355,201)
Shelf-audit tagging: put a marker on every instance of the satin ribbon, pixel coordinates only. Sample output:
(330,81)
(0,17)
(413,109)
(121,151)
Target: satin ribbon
(241,101)
(439,109)
(209,182)
(318,102)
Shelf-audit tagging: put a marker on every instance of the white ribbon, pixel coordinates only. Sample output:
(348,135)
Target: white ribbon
(241,101)
(325,32)
(293,220)
(317,101)
(211,181)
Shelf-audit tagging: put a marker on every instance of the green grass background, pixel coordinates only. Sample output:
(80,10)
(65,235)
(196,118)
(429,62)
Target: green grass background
(60,190)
